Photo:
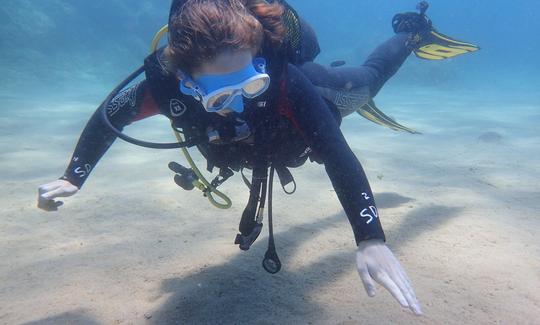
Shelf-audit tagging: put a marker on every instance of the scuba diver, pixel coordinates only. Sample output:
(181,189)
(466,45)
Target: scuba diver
(237,80)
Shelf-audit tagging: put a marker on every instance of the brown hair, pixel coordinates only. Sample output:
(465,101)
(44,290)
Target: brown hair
(271,17)
(204,29)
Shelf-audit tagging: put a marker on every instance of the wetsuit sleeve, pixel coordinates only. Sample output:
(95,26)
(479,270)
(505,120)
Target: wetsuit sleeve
(323,135)
(131,104)
(380,66)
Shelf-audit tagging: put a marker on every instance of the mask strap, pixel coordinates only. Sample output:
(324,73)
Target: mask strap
(190,88)
(259,64)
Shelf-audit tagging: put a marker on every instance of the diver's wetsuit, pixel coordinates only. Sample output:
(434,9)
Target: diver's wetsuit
(298,122)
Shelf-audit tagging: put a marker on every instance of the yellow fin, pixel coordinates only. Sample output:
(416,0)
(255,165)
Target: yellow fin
(375,115)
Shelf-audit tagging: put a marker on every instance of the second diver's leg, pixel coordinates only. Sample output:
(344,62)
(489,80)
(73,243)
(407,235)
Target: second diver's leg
(351,89)
(380,66)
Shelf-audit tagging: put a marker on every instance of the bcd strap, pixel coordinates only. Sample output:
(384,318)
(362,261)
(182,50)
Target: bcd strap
(224,174)
(271,262)
(286,178)
(251,222)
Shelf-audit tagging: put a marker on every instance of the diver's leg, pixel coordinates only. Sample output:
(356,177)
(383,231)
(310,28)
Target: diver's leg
(351,89)
(380,66)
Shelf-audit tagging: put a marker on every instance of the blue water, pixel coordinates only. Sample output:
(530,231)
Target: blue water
(82,48)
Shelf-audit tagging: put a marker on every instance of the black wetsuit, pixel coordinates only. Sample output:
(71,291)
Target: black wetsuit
(296,123)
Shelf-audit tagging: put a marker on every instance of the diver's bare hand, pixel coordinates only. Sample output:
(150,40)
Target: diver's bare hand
(376,263)
(48,192)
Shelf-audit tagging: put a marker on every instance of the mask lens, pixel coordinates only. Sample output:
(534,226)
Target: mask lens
(218,100)
(255,87)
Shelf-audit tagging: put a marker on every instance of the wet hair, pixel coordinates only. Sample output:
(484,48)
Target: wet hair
(203,29)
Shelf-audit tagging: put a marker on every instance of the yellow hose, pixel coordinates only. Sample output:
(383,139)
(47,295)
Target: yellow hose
(155,42)
(202,184)
(205,186)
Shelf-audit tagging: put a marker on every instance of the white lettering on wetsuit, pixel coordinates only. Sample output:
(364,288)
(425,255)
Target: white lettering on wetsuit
(127,96)
(366,214)
(371,212)
(83,171)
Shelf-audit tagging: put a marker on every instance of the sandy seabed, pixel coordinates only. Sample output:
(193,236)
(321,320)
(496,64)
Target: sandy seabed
(459,205)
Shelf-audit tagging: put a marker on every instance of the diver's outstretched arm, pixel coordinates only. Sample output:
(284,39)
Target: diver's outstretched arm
(375,262)
(131,104)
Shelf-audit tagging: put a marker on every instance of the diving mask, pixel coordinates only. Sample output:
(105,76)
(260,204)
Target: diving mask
(220,91)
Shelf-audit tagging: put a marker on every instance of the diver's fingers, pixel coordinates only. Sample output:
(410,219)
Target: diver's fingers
(48,205)
(59,192)
(397,274)
(383,279)
(49,187)
(59,183)
(400,279)
(407,282)
(49,195)
(48,192)
(368,282)
(405,278)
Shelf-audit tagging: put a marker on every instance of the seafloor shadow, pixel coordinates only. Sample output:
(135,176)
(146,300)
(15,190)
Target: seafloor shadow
(421,220)
(391,200)
(240,291)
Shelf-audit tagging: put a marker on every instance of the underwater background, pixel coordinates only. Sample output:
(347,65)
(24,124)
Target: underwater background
(459,203)
(80,49)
